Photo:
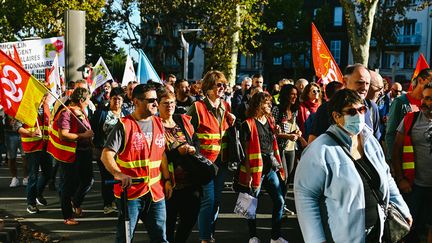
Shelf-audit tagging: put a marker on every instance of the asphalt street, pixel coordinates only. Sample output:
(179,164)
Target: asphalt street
(97,227)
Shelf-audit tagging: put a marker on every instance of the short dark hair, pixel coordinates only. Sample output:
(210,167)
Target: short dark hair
(141,89)
(332,87)
(117,91)
(424,74)
(79,94)
(341,99)
(177,84)
(257,75)
(284,98)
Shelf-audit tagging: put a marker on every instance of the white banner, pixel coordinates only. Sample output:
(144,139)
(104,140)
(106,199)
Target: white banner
(38,54)
(100,74)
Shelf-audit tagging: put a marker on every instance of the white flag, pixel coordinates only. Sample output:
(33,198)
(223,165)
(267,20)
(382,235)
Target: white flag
(129,72)
(53,81)
(100,74)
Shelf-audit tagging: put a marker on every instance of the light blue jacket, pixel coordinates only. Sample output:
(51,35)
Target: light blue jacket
(329,193)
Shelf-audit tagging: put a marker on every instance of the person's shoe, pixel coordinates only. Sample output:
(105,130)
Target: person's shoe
(288,212)
(279,240)
(32,209)
(25,181)
(108,210)
(40,200)
(78,212)
(254,240)
(70,221)
(14,182)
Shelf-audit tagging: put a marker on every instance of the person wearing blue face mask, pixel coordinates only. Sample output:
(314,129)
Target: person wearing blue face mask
(335,199)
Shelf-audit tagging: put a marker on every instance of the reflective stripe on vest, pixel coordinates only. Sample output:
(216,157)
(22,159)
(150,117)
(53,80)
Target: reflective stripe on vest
(31,144)
(408,163)
(62,150)
(210,132)
(139,160)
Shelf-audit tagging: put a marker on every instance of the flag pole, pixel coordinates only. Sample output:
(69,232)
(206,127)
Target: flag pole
(65,106)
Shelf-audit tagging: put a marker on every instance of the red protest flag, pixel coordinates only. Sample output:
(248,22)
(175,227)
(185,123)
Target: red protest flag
(420,65)
(16,57)
(20,92)
(325,66)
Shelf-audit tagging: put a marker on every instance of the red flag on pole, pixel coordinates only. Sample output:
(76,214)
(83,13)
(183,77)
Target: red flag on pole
(420,65)
(20,92)
(325,66)
(16,57)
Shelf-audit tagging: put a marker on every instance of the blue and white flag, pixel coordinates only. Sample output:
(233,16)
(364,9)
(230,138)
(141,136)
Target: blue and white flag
(145,70)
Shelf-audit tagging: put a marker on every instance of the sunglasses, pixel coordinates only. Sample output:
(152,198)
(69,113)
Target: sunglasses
(149,100)
(315,91)
(221,85)
(354,111)
(397,91)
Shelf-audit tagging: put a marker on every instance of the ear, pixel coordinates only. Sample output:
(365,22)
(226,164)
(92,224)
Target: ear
(335,116)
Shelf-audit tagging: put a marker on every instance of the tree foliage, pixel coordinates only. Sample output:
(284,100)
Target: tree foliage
(20,19)
(216,19)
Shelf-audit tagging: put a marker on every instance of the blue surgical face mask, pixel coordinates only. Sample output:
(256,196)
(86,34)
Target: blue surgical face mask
(354,124)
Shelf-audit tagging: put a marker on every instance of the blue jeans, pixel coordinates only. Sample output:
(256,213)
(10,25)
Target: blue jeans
(274,186)
(210,202)
(419,201)
(36,184)
(153,214)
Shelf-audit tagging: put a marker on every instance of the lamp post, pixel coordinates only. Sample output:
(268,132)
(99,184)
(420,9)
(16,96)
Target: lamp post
(185,46)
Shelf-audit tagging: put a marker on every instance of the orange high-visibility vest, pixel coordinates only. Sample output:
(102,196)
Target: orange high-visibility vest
(32,144)
(255,159)
(62,150)
(141,160)
(408,162)
(210,133)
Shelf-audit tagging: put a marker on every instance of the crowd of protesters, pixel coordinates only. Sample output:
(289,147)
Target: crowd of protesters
(305,133)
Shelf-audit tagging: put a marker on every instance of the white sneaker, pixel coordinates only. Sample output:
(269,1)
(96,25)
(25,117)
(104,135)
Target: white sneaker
(25,181)
(280,240)
(254,240)
(14,182)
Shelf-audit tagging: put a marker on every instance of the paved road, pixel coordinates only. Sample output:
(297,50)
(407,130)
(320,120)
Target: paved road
(97,227)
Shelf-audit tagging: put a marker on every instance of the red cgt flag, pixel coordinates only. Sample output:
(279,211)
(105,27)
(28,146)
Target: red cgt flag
(421,64)
(325,66)
(20,92)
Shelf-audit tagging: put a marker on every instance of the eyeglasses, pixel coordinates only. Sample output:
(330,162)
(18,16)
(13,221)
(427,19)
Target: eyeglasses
(354,111)
(379,88)
(221,84)
(168,103)
(315,91)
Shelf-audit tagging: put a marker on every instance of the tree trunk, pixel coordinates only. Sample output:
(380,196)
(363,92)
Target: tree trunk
(232,70)
(359,27)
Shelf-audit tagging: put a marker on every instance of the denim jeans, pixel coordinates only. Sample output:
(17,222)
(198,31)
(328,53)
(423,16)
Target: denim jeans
(274,186)
(36,184)
(153,214)
(210,202)
(76,180)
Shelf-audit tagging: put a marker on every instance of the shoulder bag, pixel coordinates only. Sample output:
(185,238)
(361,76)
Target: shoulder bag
(395,225)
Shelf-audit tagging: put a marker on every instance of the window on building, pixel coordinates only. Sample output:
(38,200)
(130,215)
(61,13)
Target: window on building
(409,27)
(287,60)
(335,49)
(409,59)
(243,61)
(280,25)
(277,61)
(385,60)
(337,19)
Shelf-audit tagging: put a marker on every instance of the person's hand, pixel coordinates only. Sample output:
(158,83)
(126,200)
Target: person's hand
(87,134)
(126,181)
(293,137)
(191,150)
(230,118)
(404,186)
(168,189)
(183,149)
(298,132)
(36,133)
(409,220)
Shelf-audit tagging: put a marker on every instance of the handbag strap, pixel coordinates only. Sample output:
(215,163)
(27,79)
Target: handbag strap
(377,194)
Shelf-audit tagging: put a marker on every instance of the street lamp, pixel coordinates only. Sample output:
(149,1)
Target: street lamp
(185,45)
